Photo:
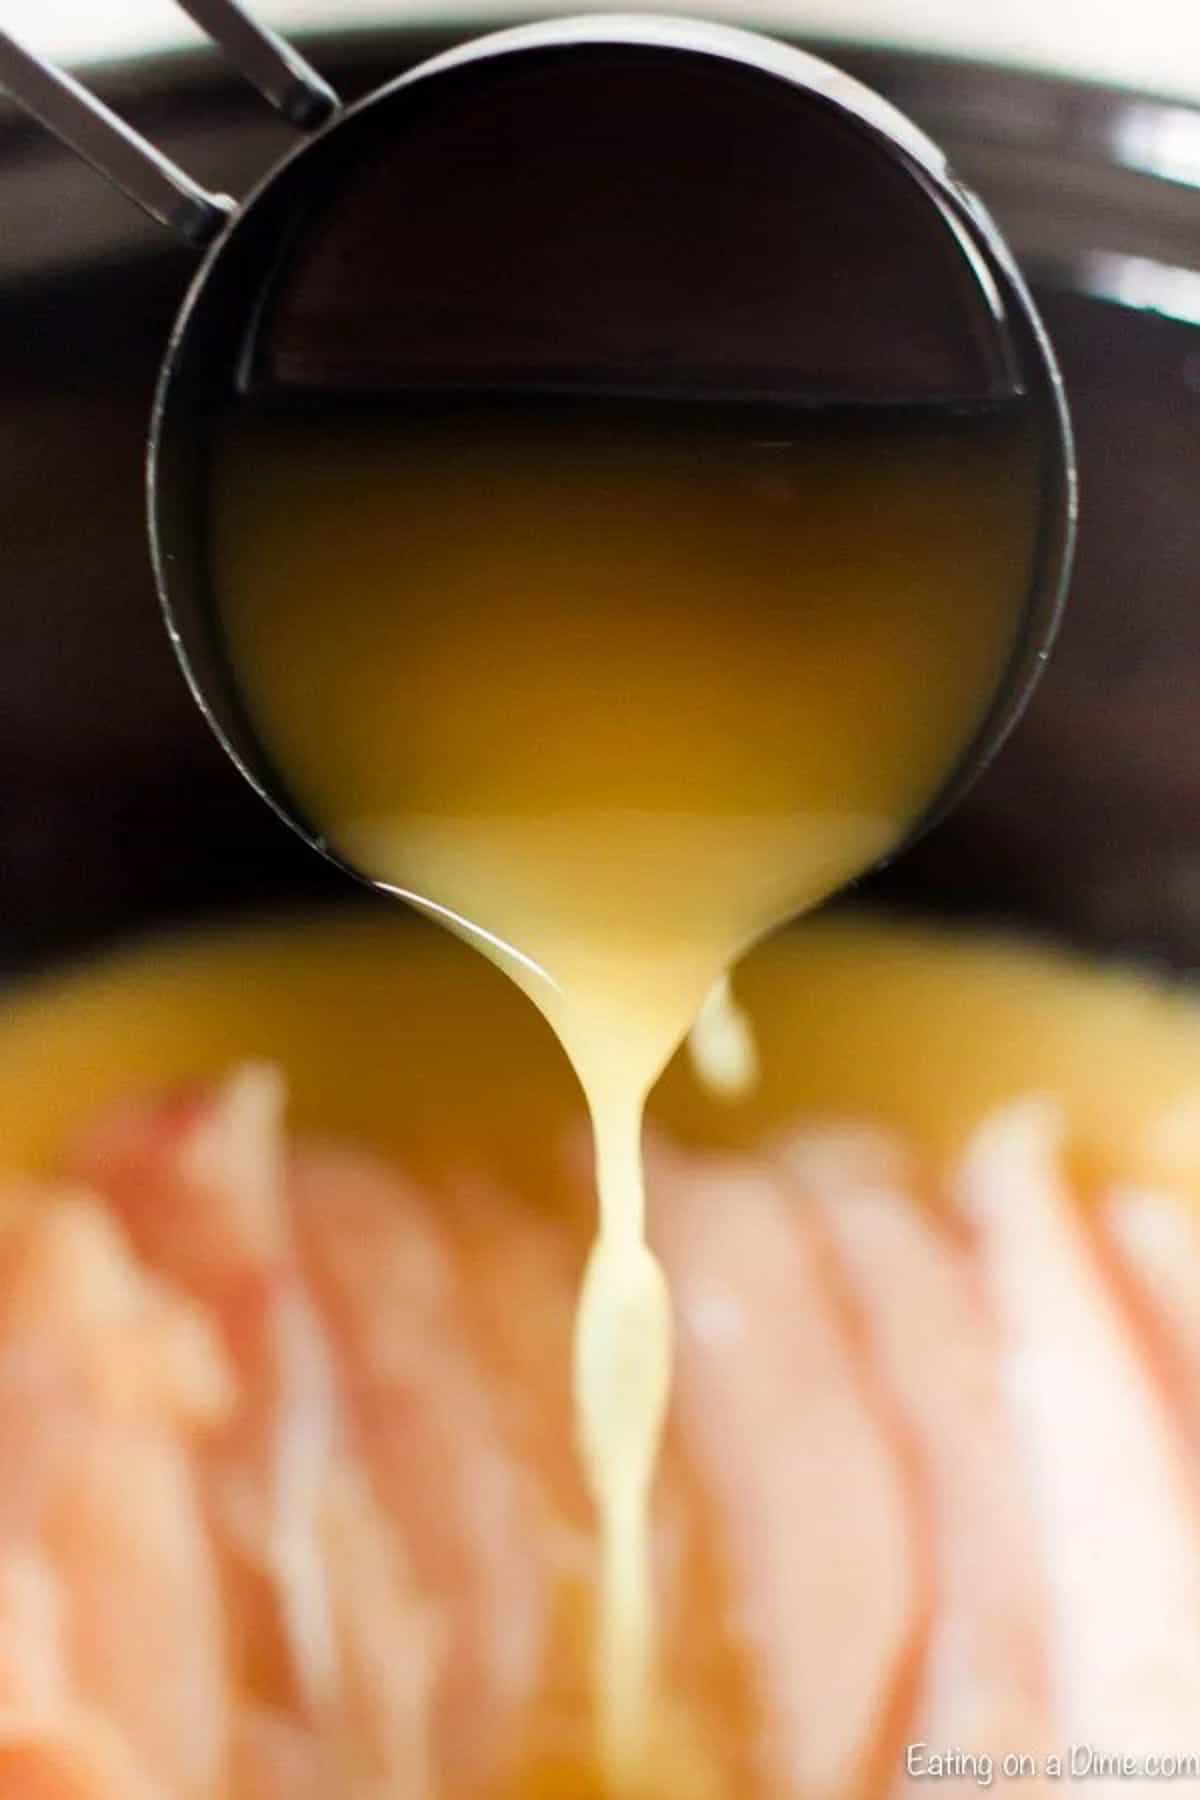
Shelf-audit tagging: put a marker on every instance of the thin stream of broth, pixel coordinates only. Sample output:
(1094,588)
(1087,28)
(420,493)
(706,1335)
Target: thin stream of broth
(613,701)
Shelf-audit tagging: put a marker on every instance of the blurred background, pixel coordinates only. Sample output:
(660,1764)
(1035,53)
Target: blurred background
(1147,43)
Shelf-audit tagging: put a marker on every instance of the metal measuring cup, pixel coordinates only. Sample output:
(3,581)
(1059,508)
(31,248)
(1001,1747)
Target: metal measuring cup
(632,207)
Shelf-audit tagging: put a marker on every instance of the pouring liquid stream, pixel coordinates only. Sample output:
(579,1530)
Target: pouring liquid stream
(613,696)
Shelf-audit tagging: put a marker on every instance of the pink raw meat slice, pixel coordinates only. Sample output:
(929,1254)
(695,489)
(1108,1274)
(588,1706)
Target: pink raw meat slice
(275,1758)
(1156,1241)
(102,1488)
(199,1185)
(426,1423)
(814,1506)
(1102,1457)
(933,1344)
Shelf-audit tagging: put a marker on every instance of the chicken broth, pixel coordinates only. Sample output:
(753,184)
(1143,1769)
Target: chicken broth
(612,696)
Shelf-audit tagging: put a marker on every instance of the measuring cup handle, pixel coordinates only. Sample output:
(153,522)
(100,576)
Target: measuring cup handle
(270,64)
(159,186)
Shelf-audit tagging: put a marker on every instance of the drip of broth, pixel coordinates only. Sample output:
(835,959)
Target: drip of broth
(613,694)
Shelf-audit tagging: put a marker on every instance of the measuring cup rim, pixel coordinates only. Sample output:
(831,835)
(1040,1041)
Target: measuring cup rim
(894,135)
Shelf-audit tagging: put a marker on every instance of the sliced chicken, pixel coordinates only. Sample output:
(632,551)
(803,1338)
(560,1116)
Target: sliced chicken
(1156,1238)
(813,1503)
(124,1528)
(1101,1456)
(422,1410)
(104,1494)
(290,1503)
(274,1757)
(80,1756)
(933,1344)
(199,1185)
